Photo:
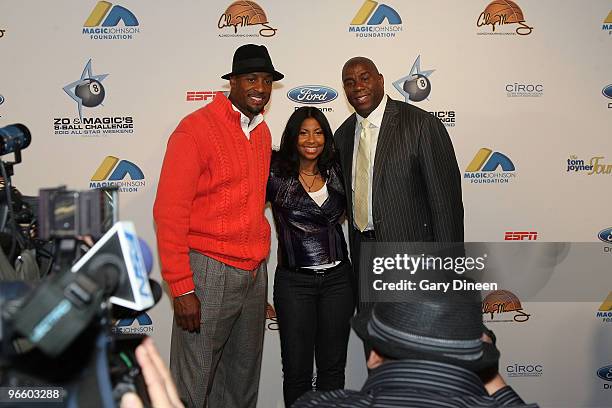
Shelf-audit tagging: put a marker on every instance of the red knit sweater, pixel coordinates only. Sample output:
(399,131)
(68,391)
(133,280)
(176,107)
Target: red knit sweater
(211,194)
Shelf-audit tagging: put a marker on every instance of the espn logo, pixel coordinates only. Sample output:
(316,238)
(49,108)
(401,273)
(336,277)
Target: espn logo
(194,96)
(521,236)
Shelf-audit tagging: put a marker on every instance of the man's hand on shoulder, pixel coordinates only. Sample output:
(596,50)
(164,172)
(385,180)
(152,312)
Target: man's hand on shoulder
(187,312)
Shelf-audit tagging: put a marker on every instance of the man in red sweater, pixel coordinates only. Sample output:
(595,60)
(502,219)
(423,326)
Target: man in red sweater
(213,237)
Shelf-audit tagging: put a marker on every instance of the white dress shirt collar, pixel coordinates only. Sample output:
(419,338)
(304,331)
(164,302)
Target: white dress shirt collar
(247,124)
(376,116)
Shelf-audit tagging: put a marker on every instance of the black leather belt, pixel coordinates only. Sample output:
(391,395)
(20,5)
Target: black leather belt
(319,272)
(368,234)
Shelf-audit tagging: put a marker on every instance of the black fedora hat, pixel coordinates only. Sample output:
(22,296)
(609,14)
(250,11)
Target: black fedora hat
(444,327)
(253,58)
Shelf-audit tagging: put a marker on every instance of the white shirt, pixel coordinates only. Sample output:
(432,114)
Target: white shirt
(375,118)
(247,124)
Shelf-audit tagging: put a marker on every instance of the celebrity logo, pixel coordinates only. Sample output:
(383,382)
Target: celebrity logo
(129,326)
(485,168)
(415,86)
(113,172)
(607,24)
(500,13)
(501,302)
(104,19)
(605,310)
(271,317)
(520,235)
(205,96)
(242,14)
(88,91)
(369,22)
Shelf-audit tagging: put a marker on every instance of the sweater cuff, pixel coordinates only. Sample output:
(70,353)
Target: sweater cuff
(181,287)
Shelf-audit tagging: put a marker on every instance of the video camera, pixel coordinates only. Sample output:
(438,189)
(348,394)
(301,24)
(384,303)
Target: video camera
(56,326)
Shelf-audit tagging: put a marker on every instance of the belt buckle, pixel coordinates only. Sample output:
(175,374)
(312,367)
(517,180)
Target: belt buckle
(320,272)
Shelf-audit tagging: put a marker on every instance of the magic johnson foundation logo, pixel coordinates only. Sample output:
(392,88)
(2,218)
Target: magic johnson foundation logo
(134,325)
(375,20)
(108,22)
(607,24)
(501,13)
(242,15)
(89,92)
(605,309)
(488,167)
(123,174)
(499,305)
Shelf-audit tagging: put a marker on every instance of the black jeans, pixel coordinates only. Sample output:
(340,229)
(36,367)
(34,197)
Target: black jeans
(313,314)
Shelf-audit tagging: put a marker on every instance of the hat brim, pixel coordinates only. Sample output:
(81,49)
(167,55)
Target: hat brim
(489,358)
(276,76)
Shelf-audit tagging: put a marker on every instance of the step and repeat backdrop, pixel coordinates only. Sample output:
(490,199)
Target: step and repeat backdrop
(524,89)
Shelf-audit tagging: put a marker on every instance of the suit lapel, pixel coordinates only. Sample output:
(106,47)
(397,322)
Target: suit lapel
(384,146)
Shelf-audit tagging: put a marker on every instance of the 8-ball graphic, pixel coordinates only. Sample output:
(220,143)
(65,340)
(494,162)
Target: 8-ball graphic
(417,88)
(91,92)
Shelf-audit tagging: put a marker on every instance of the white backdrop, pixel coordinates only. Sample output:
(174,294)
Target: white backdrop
(173,48)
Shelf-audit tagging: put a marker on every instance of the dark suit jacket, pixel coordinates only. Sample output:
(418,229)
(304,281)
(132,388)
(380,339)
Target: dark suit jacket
(416,189)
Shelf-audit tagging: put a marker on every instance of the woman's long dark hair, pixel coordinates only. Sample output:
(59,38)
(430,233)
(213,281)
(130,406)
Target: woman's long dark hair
(287,161)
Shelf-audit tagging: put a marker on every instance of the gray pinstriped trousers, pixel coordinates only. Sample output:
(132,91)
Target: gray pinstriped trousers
(220,366)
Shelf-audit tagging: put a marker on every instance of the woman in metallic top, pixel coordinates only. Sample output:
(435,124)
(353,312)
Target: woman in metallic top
(313,293)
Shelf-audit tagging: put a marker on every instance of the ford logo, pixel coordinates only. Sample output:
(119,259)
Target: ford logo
(605,235)
(312,94)
(605,373)
(607,91)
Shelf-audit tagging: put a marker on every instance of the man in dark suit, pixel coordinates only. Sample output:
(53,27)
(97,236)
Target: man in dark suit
(401,176)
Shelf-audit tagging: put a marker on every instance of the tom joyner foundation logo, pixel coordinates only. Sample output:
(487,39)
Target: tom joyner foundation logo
(375,20)
(89,91)
(500,305)
(108,22)
(605,310)
(240,15)
(122,174)
(500,13)
(596,165)
(2,32)
(488,167)
(416,87)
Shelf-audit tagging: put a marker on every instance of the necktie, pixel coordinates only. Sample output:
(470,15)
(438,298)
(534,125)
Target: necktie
(362,177)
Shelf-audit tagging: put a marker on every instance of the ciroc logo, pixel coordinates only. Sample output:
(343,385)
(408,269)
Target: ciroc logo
(244,14)
(595,166)
(524,370)
(103,21)
(607,24)
(522,90)
(113,172)
(502,302)
(503,12)
(206,96)
(128,325)
(520,235)
(484,168)
(605,310)
(368,22)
